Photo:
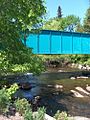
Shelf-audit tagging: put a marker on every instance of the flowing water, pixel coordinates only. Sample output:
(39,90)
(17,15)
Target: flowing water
(56,98)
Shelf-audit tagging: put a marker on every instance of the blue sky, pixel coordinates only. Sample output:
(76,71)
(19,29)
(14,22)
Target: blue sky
(76,7)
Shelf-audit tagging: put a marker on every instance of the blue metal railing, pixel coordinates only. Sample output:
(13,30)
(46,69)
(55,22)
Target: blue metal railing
(59,42)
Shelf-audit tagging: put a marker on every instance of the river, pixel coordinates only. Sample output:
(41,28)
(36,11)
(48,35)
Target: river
(56,98)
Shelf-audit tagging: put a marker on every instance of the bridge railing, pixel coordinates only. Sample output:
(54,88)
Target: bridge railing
(58,42)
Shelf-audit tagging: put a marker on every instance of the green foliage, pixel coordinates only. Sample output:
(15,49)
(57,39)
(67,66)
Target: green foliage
(80,28)
(80,59)
(28,67)
(15,57)
(10,91)
(71,19)
(5,97)
(40,114)
(61,116)
(88,62)
(24,108)
(61,23)
(87,21)
(4,63)
(22,105)
(23,15)
(20,62)
(4,100)
(28,115)
(52,24)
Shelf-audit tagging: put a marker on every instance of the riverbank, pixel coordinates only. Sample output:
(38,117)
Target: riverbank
(66,72)
(78,118)
(47,117)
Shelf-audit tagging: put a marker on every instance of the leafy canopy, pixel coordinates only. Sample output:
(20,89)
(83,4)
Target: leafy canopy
(61,23)
(87,21)
(18,15)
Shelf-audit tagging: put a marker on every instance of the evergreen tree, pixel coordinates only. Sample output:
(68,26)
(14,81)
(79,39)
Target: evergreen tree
(87,21)
(59,12)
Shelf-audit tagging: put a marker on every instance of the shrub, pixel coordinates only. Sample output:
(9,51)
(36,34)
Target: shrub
(28,115)
(61,116)
(4,100)
(24,108)
(22,105)
(88,61)
(10,91)
(40,114)
(5,97)
(4,63)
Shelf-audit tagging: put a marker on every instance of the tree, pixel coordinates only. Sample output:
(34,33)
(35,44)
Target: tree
(87,21)
(61,23)
(79,28)
(16,16)
(59,13)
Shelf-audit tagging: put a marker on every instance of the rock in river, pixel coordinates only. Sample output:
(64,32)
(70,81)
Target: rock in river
(76,94)
(25,86)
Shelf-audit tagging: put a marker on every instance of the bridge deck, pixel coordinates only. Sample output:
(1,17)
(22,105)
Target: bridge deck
(59,42)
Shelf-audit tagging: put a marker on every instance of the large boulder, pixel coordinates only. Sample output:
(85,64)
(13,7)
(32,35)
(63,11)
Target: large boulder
(25,86)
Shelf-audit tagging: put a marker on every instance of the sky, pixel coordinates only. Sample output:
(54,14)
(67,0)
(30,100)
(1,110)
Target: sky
(69,7)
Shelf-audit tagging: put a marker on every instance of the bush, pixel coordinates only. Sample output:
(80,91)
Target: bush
(10,91)
(4,63)
(40,114)
(22,105)
(24,108)
(21,61)
(88,62)
(5,97)
(67,58)
(61,116)
(4,100)
(28,115)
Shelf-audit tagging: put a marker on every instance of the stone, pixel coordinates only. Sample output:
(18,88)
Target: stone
(88,88)
(80,66)
(28,74)
(61,71)
(82,77)
(82,90)
(72,78)
(58,86)
(76,94)
(47,117)
(49,85)
(25,86)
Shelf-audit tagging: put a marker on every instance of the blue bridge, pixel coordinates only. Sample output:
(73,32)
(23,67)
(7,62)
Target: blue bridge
(59,42)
